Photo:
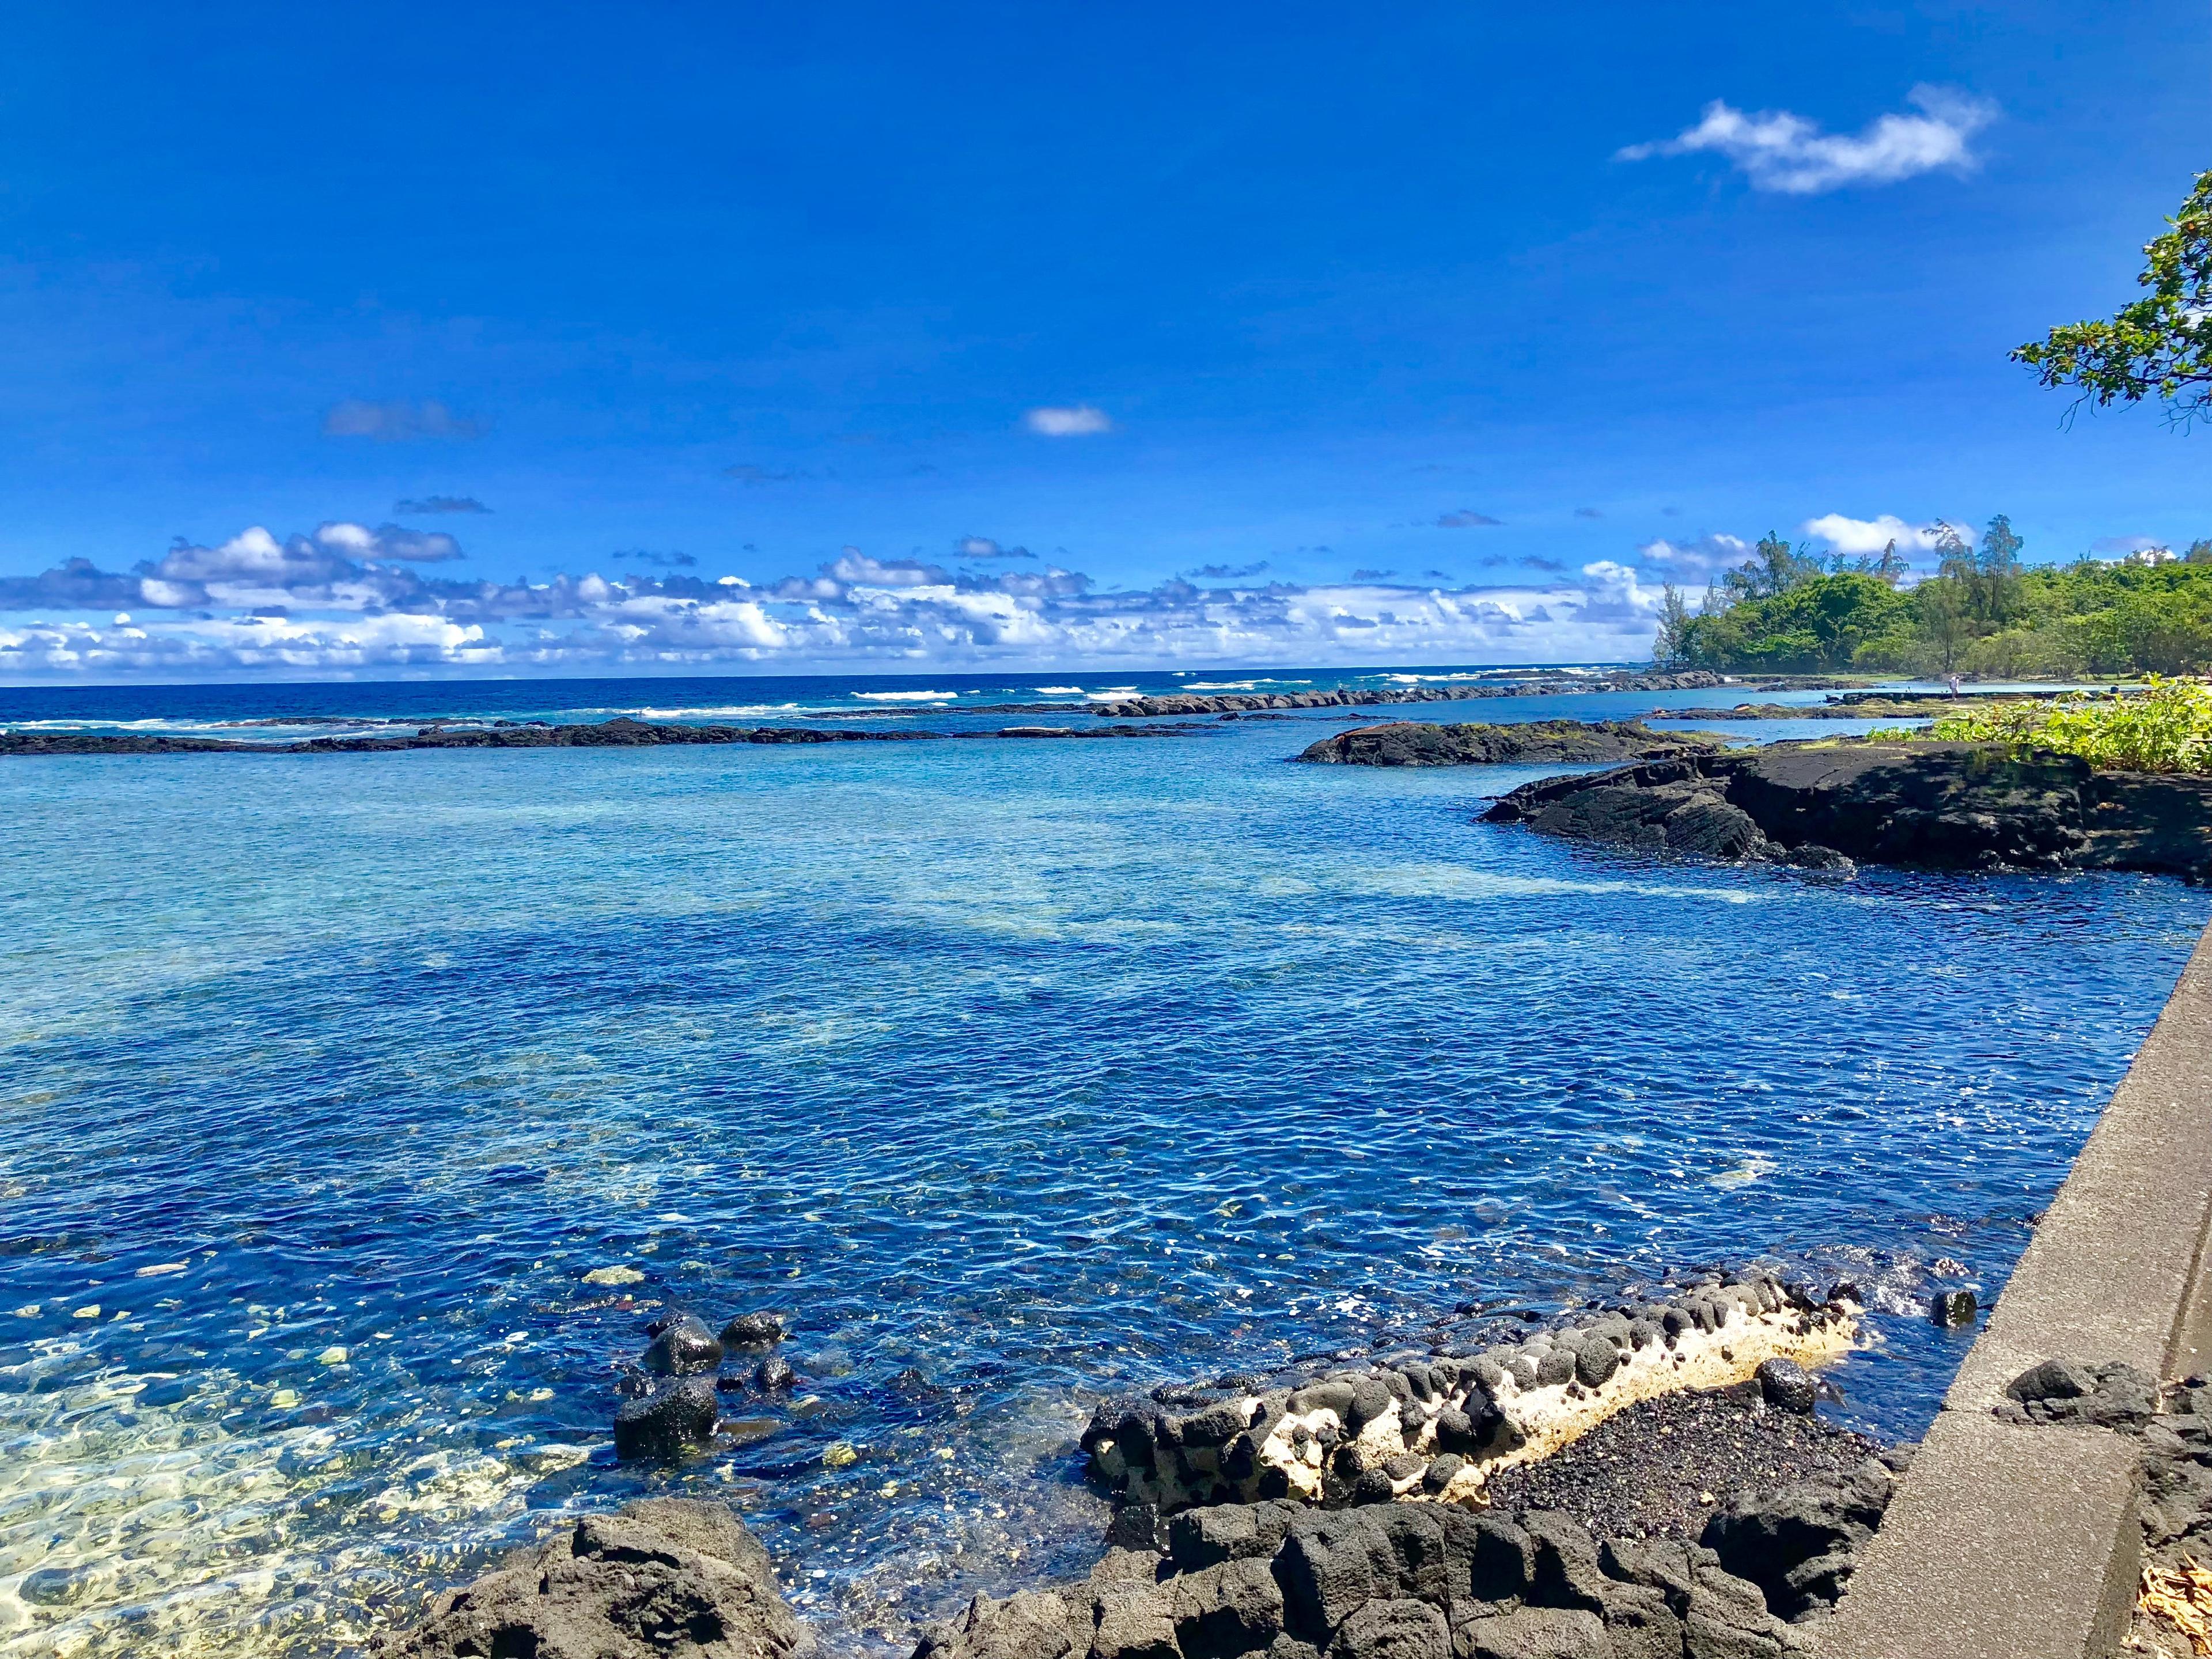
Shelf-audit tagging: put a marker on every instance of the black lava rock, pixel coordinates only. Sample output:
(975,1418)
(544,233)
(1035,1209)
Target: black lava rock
(1440,1472)
(1952,1307)
(1596,1359)
(772,1374)
(2110,1393)
(667,1423)
(1786,1386)
(1799,1544)
(753,1330)
(683,1346)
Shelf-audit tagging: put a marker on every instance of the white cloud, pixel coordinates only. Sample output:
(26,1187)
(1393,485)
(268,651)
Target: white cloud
(1779,151)
(1856,536)
(1075,420)
(1704,557)
(339,608)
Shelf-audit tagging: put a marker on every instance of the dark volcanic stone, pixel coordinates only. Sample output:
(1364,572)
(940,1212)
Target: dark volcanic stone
(1946,805)
(1596,1359)
(1028,1625)
(674,1419)
(772,1374)
(1771,1539)
(1326,1574)
(667,1576)
(1787,1386)
(753,1330)
(1952,1307)
(1234,1606)
(1393,1628)
(2110,1393)
(2053,1379)
(1567,1574)
(682,1347)
(1416,743)
(1537,1634)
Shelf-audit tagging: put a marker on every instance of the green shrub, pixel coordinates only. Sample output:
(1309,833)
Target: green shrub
(2166,728)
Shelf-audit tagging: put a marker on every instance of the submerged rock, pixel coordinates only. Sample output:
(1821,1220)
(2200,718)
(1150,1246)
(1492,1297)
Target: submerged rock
(672,1420)
(664,1579)
(753,1330)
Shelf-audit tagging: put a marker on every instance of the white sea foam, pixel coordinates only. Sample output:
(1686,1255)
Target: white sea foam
(1059,691)
(708,713)
(907,696)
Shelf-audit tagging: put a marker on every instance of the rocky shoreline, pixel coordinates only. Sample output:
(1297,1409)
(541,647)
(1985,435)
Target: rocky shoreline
(1463,1503)
(620,732)
(1238,702)
(1936,805)
(1418,742)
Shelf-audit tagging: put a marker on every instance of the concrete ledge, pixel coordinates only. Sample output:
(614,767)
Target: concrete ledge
(2004,1542)
(2021,1542)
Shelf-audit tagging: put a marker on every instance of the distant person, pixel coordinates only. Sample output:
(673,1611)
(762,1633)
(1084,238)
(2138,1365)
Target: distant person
(1953,682)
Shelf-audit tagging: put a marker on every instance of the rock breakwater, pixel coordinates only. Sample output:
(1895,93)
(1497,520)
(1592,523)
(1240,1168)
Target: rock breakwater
(1418,742)
(620,732)
(1434,1428)
(1238,702)
(1942,806)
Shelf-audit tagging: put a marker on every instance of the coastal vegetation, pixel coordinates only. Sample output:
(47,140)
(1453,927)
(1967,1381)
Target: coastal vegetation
(1984,612)
(2167,729)
(2161,346)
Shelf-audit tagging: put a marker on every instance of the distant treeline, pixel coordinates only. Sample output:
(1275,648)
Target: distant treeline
(1984,612)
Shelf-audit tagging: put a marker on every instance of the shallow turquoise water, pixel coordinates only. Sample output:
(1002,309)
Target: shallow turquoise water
(1015,1071)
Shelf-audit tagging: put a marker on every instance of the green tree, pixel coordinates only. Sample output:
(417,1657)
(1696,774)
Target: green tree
(2159,346)
(1944,621)
(1773,568)
(1671,649)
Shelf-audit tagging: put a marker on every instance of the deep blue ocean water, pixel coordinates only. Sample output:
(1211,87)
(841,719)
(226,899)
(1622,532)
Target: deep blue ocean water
(1014,1071)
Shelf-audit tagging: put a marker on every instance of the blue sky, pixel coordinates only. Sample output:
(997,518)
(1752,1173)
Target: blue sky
(1038,335)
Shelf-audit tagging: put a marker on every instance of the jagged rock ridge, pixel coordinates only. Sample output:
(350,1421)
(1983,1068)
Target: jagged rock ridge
(1418,742)
(1955,805)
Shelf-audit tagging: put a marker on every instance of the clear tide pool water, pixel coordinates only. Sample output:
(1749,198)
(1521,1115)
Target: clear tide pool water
(1013,1072)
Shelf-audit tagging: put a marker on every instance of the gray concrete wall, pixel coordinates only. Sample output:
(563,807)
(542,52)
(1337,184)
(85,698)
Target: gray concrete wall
(2011,1541)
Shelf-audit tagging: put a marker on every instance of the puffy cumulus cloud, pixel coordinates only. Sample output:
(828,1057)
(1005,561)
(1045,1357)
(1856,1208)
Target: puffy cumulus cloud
(1780,151)
(340,601)
(1071,420)
(397,421)
(1848,535)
